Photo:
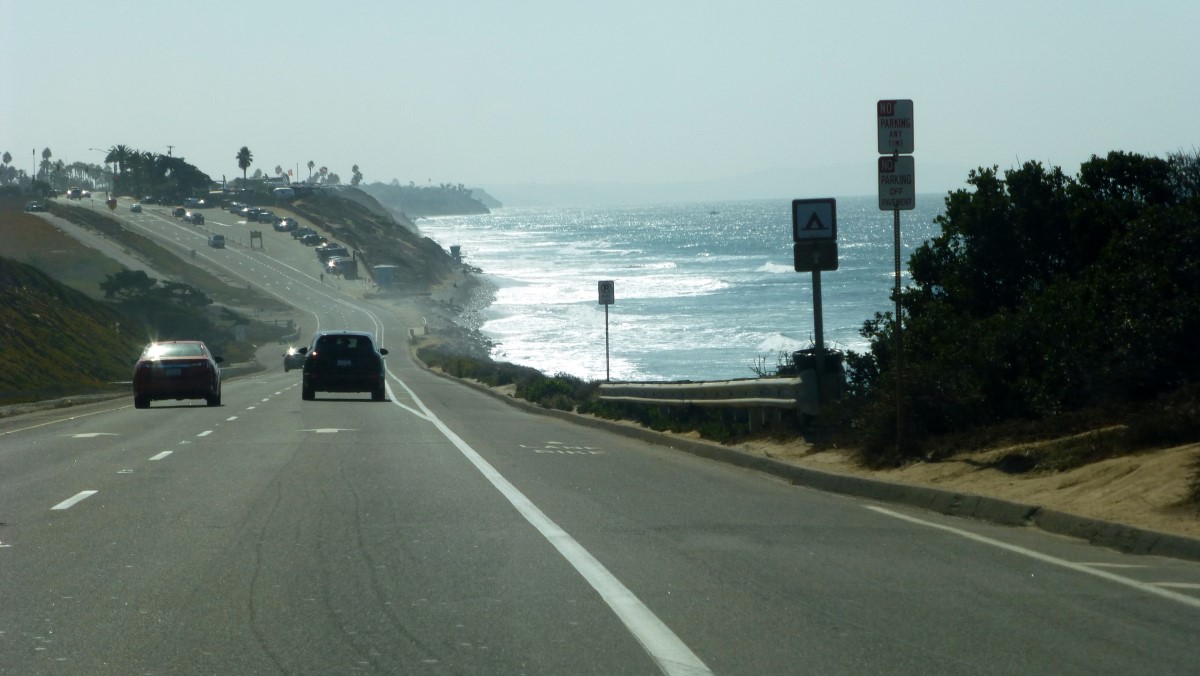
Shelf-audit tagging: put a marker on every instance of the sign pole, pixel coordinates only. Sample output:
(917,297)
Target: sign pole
(897,190)
(607,291)
(819,327)
(607,375)
(899,341)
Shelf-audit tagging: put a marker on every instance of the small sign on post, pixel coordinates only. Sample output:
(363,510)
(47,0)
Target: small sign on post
(814,235)
(607,292)
(608,296)
(897,183)
(895,122)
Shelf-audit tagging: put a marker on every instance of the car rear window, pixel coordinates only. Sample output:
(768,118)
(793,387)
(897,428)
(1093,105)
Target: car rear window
(337,344)
(174,350)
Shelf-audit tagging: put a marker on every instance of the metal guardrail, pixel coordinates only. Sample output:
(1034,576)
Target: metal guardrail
(799,393)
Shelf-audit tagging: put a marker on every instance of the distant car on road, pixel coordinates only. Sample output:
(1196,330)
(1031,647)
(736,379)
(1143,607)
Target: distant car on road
(74,193)
(34,205)
(301,232)
(312,240)
(194,217)
(176,369)
(266,217)
(135,208)
(179,212)
(343,361)
(216,241)
(292,359)
(286,224)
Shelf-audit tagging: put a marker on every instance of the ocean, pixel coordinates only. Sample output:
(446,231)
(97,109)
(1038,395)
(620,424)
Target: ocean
(703,291)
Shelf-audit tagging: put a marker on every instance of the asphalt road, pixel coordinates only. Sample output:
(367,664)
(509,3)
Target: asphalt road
(446,532)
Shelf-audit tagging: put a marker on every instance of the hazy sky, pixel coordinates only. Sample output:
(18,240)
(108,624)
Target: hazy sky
(561,92)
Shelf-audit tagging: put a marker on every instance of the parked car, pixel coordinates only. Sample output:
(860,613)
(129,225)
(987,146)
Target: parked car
(343,361)
(34,205)
(176,369)
(331,250)
(179,212)
(216,241)
(293,359)
(135,208)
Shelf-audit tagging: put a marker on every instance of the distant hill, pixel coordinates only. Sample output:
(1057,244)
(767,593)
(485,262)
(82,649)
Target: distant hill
(357,220)
(57,341)
(416,201)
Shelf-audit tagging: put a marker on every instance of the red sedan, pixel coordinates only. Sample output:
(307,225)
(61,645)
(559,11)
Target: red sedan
(177,369)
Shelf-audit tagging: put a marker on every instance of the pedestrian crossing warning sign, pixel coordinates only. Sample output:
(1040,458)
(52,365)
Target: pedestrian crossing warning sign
(814,219)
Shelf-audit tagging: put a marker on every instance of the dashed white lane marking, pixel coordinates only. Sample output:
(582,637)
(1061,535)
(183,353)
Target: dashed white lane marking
(231,418)
(1046,558)
(72,501)
(249,408)
(205,433)
(162,455)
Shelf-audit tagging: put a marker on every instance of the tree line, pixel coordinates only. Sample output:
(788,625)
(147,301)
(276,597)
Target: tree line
(1044,294)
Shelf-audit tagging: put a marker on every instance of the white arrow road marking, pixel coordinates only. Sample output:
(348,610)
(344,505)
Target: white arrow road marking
(70,502)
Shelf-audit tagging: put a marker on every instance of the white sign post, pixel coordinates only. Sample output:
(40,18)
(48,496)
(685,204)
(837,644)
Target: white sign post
(897,190)
(608,296)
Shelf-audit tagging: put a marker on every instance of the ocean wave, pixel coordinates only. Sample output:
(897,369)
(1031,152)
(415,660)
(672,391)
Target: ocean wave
(775,268)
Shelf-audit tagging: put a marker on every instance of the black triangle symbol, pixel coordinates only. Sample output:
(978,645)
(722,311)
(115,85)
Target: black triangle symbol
(814,219)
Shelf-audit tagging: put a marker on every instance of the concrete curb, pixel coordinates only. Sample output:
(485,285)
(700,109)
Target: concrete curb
(1121,537)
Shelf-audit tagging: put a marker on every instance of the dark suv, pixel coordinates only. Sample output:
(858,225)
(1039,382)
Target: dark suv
(343,361)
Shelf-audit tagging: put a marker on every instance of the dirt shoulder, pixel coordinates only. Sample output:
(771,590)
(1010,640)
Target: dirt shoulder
(1143,490)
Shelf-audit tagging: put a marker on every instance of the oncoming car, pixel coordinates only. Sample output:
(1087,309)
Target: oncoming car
(293,359)
(343,361)
(176,369)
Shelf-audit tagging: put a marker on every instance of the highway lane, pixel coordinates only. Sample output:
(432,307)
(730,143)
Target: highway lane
(447,532)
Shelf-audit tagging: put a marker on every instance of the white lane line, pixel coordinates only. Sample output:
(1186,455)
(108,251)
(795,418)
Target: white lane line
(231,418)
(54,422)
(205,433)
(670,653)
(392,398)
(1178,585)
(162,455)
(250,408)
(1046,558)
(70,502)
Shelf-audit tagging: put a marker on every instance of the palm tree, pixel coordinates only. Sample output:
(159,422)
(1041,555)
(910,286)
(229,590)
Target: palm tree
(311,164)
(118,156)
(244,159)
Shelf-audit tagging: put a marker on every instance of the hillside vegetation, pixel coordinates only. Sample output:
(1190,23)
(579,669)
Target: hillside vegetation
(1044,298)
(420,261)
(57,341)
